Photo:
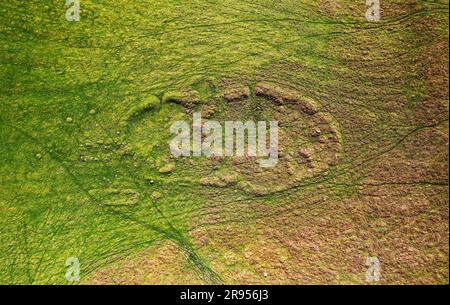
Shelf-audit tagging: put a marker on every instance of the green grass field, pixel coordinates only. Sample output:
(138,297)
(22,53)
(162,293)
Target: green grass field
(86,171)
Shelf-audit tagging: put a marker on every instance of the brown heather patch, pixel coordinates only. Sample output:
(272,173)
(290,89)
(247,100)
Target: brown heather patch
(357,9)
(162,263)
(328,243)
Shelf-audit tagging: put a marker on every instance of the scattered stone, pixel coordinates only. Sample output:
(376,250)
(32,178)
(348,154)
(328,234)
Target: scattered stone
(289,158)
(275,93)
(208,111)
(155,195)
(92,111)
(69,120)
(304,153)
(308,106)
(115,197)
(185,98)
(147,104)
(236,93)
(230,258)
(316,132)
(148,180)
(229,179)
(168,168)
(212,181)
(285,96)
(290,170)
(222,181)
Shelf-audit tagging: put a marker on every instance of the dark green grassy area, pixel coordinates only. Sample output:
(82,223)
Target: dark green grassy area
(85,117)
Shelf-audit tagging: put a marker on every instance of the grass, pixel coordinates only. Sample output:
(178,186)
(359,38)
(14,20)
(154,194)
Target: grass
(118,74)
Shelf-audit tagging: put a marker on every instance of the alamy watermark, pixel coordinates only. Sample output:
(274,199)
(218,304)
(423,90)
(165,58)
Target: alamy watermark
(73,270)
(207,140)
(373,272)
(73,10)
(373,10)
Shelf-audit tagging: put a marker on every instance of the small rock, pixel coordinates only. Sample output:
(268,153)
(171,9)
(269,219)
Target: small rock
(289,158)
(156,195)
(168,168)
(290,171)
(39,156)
(316,132)
(92,111)
(236,93)
(304,153)
(69,120)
